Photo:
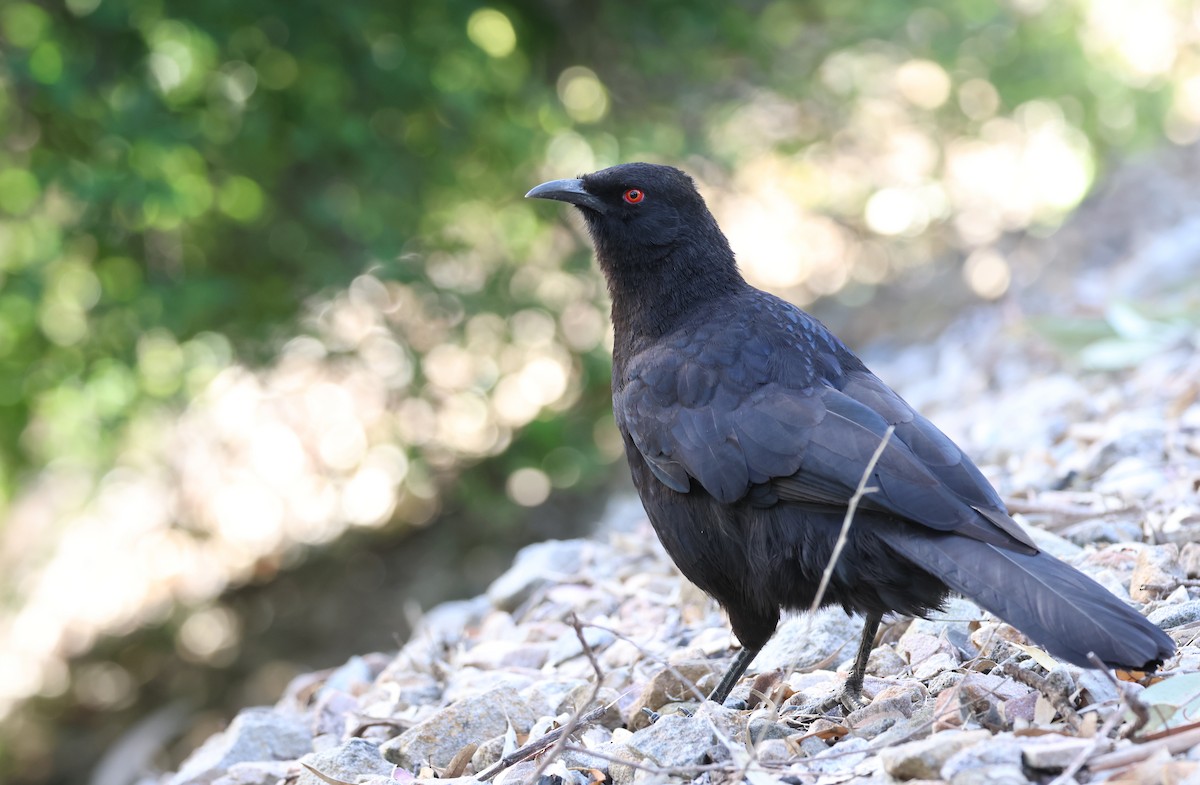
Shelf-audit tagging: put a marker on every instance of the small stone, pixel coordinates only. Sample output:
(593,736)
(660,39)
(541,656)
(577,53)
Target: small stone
(354,759)
(928,655)
(407,689)
(673,741)
(819,736)
(487,753)
(762,729)
(1022,708)
(915,727)
(472,683)
(352,677)
(499,654)
(257,734)
(620,773)
(805,641)
(1133,477)
(679,683)
(517,773)
(999,751)
(439,738)
(1189,559)
(910,689)
(879,715)
(1053,753)
(924,759)
(536,566)
(1004,774)
(257,773)
(992,639)
(1095,687)
(943,682)
(730,723)
(333,708)
(611,749)
(1171,616)
(773,751)
(1103,531)
(979,685)
(884,661)
(1157,572)
(555,696)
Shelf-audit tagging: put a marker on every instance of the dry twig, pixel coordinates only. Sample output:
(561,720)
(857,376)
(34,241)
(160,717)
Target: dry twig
(851,508)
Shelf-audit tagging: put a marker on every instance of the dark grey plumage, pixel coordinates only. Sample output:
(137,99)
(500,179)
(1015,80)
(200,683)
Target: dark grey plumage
(748,426)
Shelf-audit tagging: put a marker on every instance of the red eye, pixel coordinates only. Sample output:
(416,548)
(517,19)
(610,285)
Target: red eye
(634,195)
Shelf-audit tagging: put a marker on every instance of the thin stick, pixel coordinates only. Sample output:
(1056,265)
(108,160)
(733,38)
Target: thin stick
(574,721)
(851,508)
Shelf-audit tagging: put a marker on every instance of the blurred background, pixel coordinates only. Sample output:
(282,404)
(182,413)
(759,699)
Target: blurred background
(285,357)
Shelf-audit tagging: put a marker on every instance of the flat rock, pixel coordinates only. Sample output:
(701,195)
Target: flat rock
(884,661)
(471,720)
(1001,751)
(673,741)
(928,655)
(998,774)
(1103,531)
(1052,753)
(1169,616)
(805,641)
(350,762)
(1156,573)
(257,734)
(923,759)
(257,773)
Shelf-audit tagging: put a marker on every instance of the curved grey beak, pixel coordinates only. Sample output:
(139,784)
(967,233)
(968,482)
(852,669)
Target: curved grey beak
(571,191)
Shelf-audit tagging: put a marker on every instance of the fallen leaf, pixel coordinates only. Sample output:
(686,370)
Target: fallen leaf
(1172,703)
(1040,656)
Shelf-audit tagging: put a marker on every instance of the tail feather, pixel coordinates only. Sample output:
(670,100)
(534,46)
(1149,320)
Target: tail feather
(1057,606)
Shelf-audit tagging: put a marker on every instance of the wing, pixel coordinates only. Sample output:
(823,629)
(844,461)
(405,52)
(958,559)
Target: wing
(720,416)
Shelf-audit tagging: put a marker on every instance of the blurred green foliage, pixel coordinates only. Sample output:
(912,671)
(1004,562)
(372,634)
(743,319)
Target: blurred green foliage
(177,179)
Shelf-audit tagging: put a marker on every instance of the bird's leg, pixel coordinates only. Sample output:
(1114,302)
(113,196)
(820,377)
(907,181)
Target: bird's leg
(736,669)
(852,692)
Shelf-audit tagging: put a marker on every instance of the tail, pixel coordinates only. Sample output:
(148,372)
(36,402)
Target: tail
(1057,606)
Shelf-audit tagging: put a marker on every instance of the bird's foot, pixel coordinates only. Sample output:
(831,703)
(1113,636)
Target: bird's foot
(852,700)
(849,699)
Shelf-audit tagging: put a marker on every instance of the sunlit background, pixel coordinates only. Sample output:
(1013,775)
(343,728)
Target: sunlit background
(266,275)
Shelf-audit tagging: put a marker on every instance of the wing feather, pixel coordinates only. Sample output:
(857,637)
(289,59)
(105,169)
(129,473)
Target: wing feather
(736,432)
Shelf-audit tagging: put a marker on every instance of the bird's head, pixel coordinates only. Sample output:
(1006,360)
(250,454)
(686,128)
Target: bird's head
(633,211)
(658,245)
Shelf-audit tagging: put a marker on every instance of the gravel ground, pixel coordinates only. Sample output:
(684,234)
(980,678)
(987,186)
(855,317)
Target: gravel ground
(1083,411)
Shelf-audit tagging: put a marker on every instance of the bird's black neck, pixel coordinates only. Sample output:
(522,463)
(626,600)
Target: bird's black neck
(654,294)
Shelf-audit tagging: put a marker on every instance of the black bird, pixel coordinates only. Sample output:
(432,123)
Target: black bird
(748,426)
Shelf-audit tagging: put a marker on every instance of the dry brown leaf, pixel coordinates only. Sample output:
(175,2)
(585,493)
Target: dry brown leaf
(325,777)
(834,732)
(458,764)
